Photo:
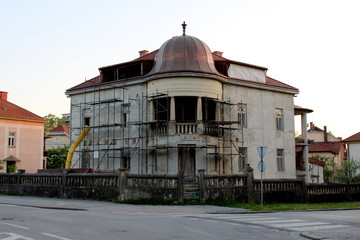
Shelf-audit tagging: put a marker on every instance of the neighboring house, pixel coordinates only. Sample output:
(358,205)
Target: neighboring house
(316,169)
(181,109)
(317,134)
(325,144)
(21,137)
(353,147)
(57,137)
(65,118)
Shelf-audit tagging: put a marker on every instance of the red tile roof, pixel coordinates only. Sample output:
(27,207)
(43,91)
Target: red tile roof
(11,111)
(89,83)
(61,128)
(333,147)
(151,56)
(316,162)
(353,138)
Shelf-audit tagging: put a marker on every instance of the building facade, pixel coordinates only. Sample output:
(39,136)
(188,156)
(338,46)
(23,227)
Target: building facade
(21,137)
(183,108)
(353,148)
(57,137)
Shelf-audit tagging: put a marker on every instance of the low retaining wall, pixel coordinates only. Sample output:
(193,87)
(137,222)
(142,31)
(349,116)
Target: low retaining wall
(170,188)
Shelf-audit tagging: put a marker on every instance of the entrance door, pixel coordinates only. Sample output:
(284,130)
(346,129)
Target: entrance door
(187,161)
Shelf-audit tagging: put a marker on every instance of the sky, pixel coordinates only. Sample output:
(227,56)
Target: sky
(49,46)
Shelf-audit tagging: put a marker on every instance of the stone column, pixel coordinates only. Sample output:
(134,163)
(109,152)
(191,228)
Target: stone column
(199,116)
(305,152)
(122,184)
(172,116)
(172,109)
(250,184)
(151,111)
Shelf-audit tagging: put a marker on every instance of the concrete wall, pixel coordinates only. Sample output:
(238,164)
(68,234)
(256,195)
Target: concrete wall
(261,128)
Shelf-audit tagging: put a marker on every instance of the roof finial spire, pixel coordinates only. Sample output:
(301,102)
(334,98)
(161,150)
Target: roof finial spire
(184,28)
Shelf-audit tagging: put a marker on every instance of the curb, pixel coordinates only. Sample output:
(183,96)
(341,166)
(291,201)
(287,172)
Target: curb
(312,236)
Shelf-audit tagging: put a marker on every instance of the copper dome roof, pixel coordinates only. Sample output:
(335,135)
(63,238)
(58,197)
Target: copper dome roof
(184,54)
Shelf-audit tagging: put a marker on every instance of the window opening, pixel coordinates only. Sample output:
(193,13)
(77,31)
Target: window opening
(11,142)
(185,109)
(280,159)
(279,119)
(242,114)
(243,155)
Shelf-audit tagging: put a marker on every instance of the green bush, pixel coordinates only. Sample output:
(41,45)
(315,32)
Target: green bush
(11,169)
(57,157)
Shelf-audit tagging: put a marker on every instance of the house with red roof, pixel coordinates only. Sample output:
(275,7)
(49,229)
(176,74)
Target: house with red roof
(326,144)
(353,146)
(21,137)
(183,108)
(57,137)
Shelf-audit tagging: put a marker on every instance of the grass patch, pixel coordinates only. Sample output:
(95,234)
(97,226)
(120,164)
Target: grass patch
(288,206)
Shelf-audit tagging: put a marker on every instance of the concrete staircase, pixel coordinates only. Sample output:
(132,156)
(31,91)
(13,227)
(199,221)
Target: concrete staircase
(191,191)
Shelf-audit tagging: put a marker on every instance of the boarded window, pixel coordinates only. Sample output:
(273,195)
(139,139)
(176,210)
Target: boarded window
(242,158)
(279,119)
(280,159)
(242,114)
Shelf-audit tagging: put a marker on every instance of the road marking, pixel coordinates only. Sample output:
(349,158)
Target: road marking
(55,236)
(310,228)
(278,221)
(13,236)
(249,219)
(209,220)
(299,224)
(14,225)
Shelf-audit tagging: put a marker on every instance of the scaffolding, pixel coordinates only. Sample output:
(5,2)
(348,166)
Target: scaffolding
(136,132)
(229,132)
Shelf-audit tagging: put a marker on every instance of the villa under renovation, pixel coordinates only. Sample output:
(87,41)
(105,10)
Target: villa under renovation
(183,108)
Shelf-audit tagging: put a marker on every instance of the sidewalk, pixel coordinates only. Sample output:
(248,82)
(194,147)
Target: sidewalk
(92,205)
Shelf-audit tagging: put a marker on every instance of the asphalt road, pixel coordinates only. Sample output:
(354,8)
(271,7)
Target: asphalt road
(30,218)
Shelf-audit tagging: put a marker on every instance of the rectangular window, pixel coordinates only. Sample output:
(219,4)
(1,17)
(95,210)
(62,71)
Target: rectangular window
(242,158)
(279,119)
(242,115)
(280,159)
(57,138)
(11,142)
(86,121)
(125,110)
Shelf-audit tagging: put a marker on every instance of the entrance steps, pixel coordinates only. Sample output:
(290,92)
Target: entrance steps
(191,191)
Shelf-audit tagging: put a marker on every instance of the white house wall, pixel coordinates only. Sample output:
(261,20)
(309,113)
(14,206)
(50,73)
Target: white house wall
(354,152)
(261,128)
(185,86)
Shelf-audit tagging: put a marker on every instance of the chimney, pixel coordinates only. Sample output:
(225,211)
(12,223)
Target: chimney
(325,134)
(143,52)
(218,53)
(3,95)
(312,126)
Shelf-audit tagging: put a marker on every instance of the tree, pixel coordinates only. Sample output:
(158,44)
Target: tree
(348,169)
(52,122)
(57,157)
